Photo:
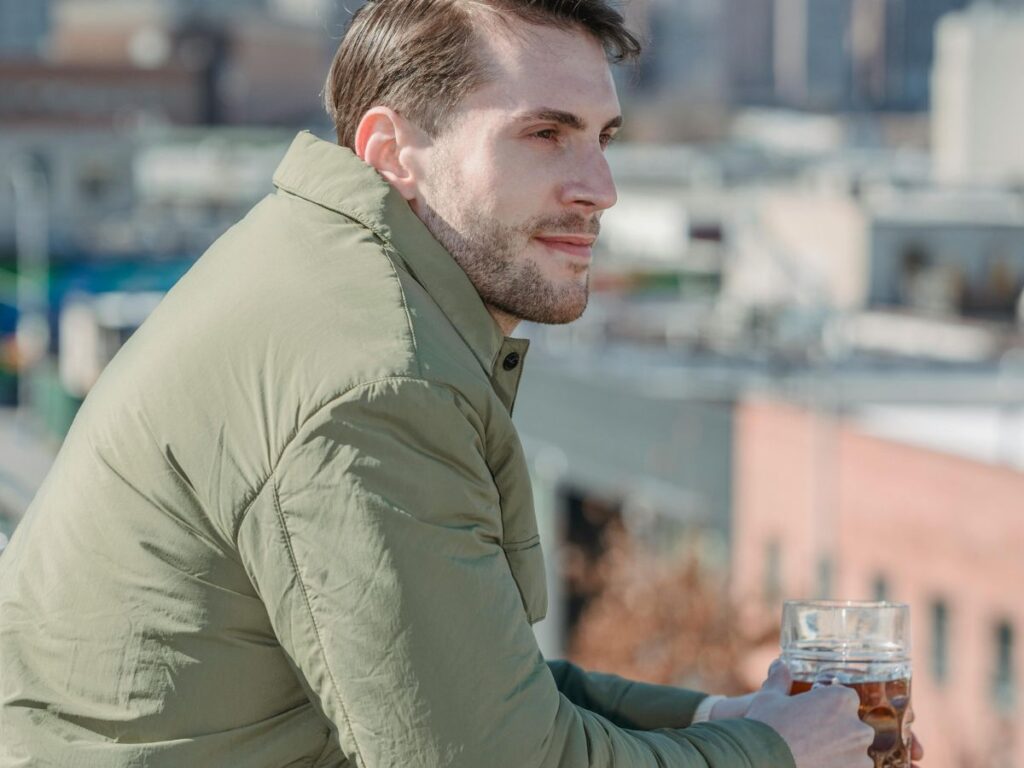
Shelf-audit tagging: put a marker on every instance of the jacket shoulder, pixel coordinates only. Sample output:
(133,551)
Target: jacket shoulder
(293,306)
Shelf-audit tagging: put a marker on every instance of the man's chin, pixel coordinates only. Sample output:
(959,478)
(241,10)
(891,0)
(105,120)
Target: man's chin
(565,309)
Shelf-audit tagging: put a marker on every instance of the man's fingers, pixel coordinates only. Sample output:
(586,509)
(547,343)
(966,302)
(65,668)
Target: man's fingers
(779,679)
(826,691)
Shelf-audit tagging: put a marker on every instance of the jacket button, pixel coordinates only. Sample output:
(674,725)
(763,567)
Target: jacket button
(511,361)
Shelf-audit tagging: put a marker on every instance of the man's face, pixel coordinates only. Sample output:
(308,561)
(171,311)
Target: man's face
(515,185)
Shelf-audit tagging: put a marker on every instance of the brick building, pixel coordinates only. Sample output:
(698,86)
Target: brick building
(908,505)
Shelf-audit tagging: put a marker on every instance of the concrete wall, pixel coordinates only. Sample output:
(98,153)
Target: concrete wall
(619,441)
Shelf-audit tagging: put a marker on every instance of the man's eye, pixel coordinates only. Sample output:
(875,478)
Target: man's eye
(607,138)
(547,134)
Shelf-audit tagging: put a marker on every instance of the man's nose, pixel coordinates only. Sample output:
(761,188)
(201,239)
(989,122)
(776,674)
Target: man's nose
(591,186)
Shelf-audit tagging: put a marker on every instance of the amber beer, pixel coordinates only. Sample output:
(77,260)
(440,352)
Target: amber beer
(863,646)
(885,706)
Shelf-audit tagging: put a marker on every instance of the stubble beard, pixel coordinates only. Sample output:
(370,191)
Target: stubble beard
(488,252)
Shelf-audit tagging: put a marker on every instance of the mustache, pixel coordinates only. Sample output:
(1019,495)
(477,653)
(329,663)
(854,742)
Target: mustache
(568,223)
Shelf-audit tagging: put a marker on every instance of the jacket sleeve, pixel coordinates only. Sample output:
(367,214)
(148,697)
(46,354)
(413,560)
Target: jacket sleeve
(375,545)
(626,703)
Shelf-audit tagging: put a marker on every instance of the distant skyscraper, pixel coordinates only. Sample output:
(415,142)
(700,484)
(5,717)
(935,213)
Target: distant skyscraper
(978,103)
(686,52)
(24,28)
(867,48)
(812,60)
(908,52)
(749,35)
(847,54)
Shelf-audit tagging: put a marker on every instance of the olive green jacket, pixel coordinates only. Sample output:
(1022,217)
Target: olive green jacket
(292,526)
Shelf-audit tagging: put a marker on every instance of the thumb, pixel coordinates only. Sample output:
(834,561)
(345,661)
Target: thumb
(779,678)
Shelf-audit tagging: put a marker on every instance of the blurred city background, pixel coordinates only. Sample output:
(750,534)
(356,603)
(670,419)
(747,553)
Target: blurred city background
(802,370)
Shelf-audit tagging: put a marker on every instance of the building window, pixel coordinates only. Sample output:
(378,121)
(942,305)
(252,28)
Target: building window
(880,589)
(824,588)
(1003,689)
(772,572)
(940,641)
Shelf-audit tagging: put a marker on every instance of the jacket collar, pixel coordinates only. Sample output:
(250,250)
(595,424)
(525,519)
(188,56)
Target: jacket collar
(333,177)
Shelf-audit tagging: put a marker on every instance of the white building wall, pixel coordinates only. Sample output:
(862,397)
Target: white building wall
(978,98)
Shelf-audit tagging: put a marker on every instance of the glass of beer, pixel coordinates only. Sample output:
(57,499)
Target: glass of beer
(864,646)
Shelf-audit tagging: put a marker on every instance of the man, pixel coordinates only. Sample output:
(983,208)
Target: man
(292,524)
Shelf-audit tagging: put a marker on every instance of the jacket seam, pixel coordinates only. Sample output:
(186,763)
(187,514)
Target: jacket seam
(312,617)
(356,215)
(388,249)
(360,218)
(363,219)
(258,488)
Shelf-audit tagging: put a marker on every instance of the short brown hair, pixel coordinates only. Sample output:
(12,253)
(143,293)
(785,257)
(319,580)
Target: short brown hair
(421,58)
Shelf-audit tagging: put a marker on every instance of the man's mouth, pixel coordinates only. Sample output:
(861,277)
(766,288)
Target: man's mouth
(578,246)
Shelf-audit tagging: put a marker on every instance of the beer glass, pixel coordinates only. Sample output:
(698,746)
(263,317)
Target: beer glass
(864,646)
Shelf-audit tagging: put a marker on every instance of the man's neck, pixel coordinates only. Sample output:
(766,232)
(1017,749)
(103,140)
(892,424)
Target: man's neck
(508,323)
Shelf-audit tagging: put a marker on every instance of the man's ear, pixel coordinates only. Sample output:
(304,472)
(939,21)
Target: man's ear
(381,137)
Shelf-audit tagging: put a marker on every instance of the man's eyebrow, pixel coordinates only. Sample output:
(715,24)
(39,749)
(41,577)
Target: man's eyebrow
(567,119)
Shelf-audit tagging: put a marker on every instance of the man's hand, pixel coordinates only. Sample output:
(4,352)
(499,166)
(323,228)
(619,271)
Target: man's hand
(821,726)
(738,706)
(732,707)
